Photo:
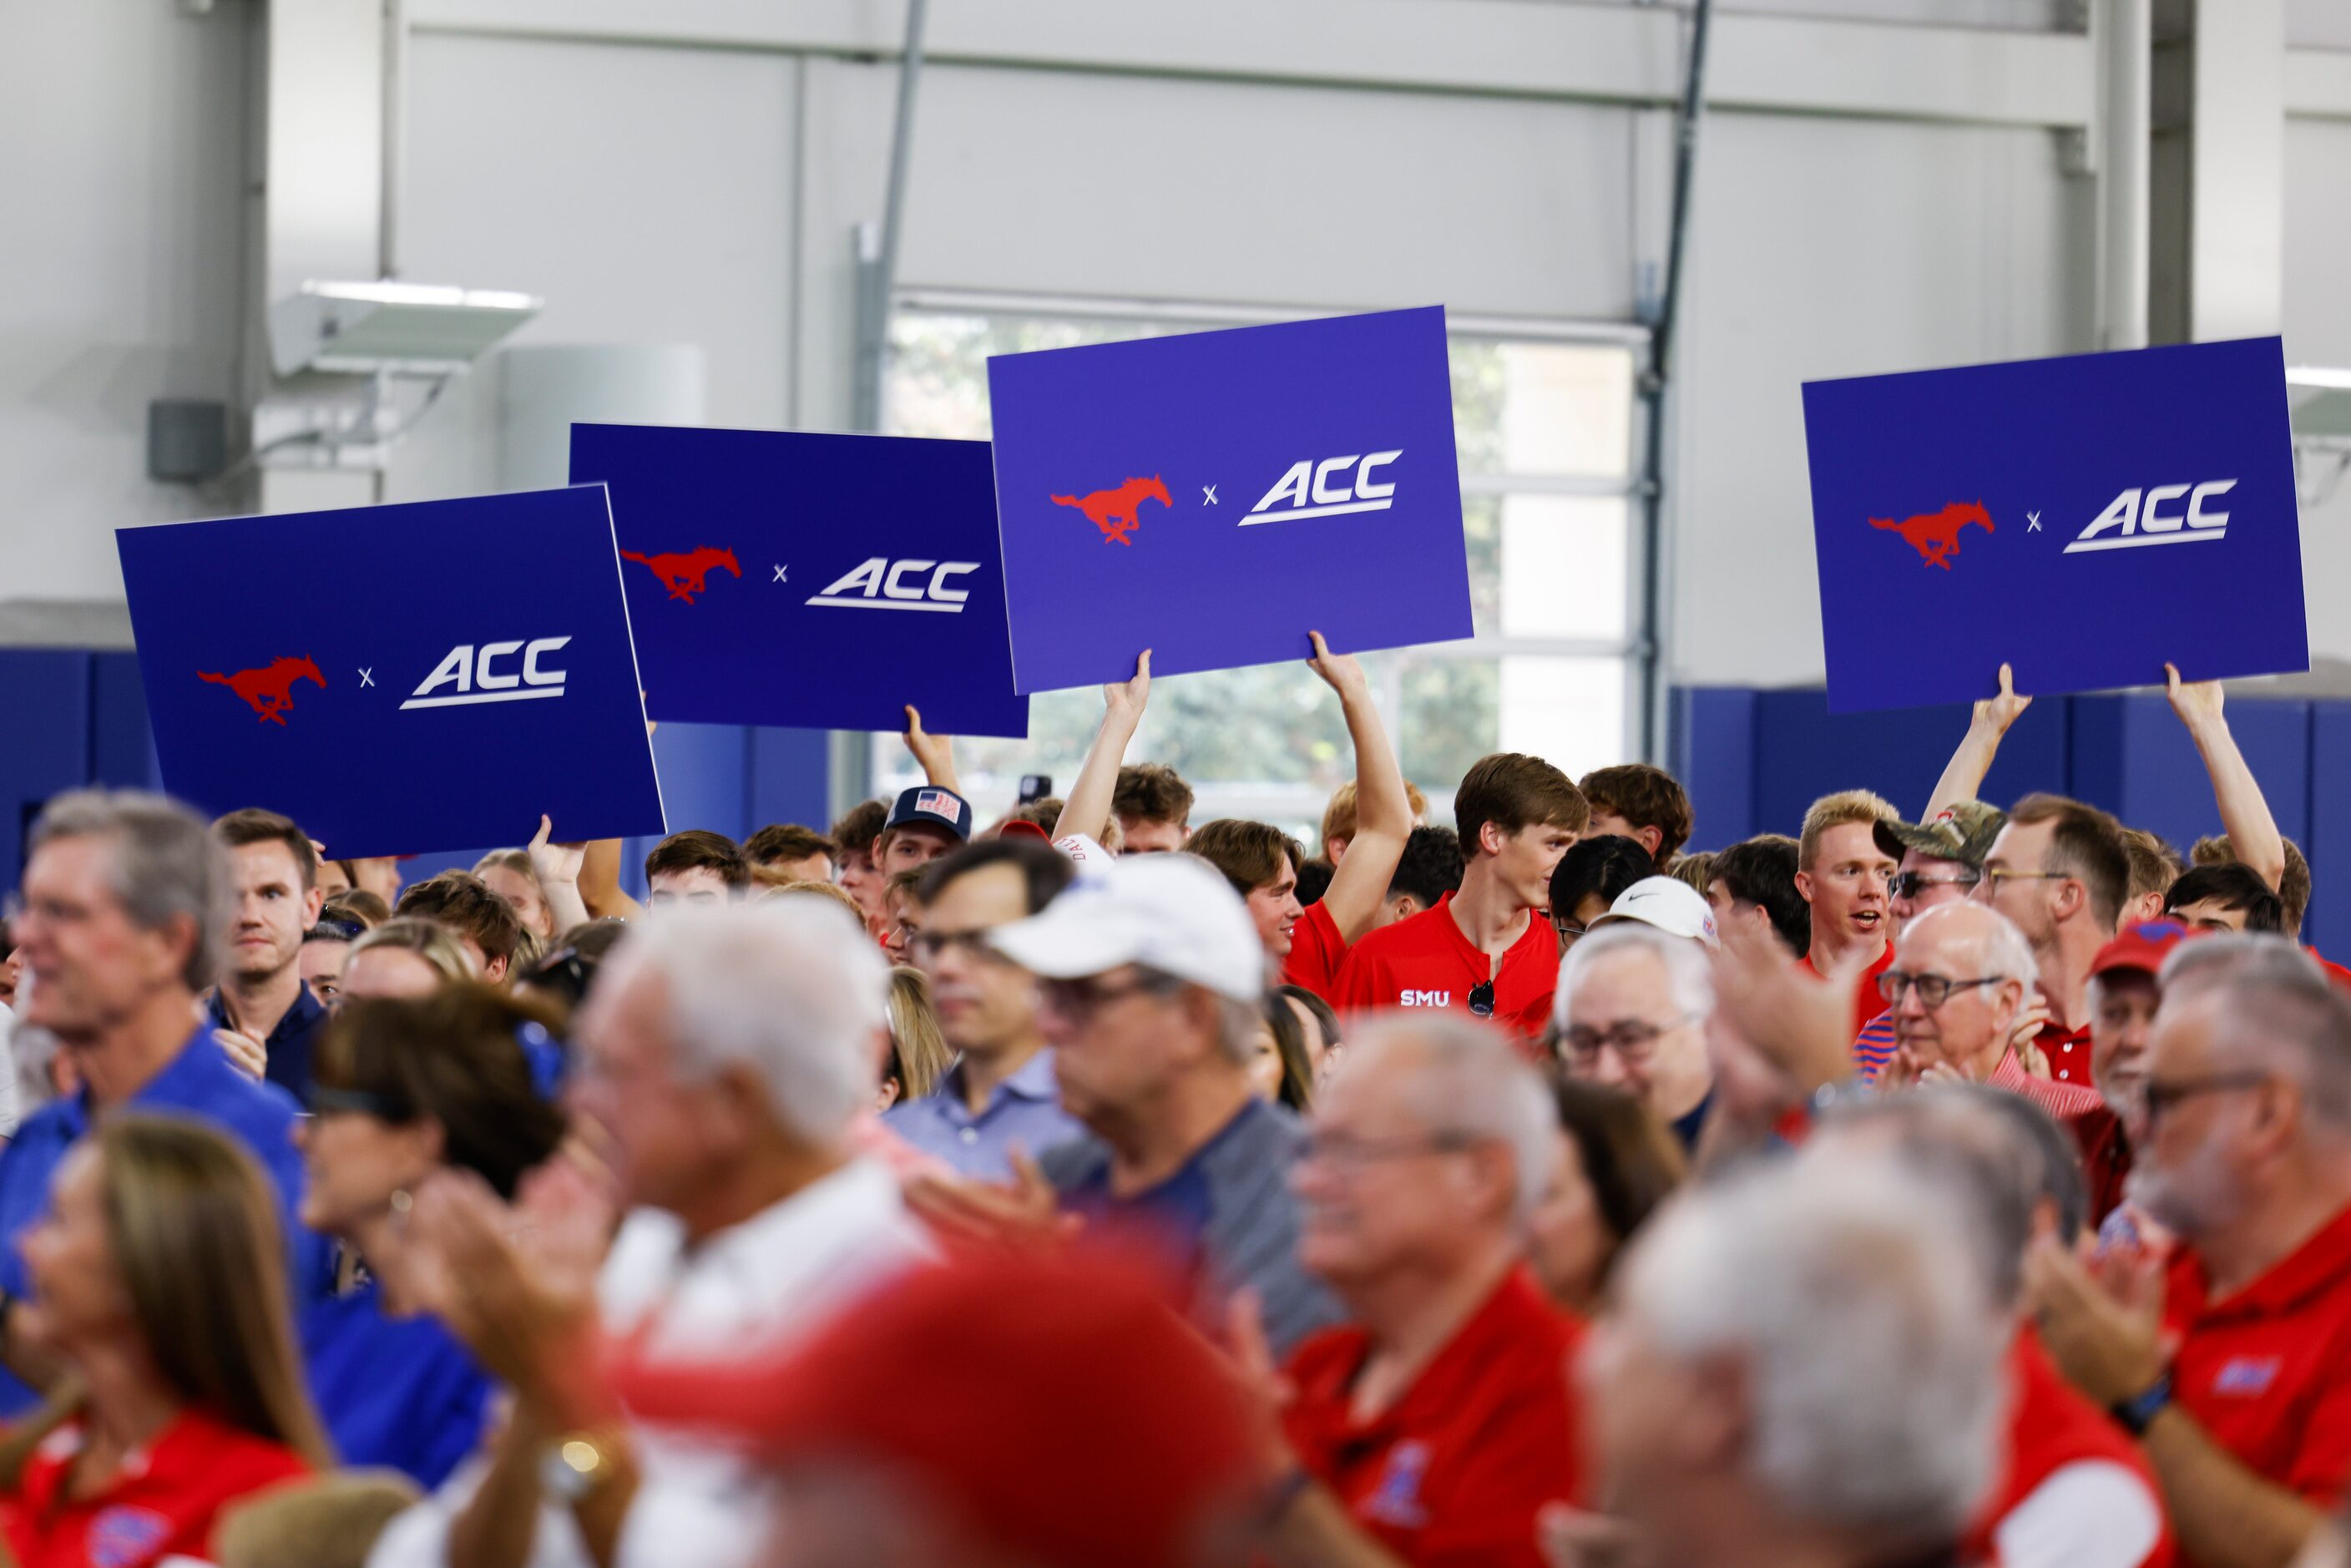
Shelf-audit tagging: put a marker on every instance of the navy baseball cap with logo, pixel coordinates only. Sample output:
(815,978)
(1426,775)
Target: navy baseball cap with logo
(930,806)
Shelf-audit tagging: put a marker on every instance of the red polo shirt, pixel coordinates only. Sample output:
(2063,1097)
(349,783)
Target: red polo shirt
(2072,1488)
(2106,1164)
(163,1501)
(1867,1001)
(1316,951)
(2267,1371)
(2068,1051)
(1426,962)
(1455,1472)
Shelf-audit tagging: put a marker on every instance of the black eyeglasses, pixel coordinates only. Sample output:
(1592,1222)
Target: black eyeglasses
(1933,990)
(2161,1097)
(1911,884)
(1481,1000)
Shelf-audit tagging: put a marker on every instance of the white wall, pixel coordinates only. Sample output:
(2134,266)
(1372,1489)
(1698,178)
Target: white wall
(2319,331)
(121,146)
(657,193)
(1828,248)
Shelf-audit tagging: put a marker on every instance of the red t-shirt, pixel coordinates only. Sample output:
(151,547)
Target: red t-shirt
(2106,1164)
(2267,1371)
(1426,962)
(2073,1488)
(1316,951)
(162,1503)
(1455,1472)
(2068,1051)
(1867,1002)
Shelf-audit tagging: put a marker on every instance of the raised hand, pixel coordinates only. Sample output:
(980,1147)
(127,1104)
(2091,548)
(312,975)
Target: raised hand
(554,864)
(2196,702)
(1130,696)
(1338,671)
(247,1054)
(934,754)
(1996,713)
(1021,1214)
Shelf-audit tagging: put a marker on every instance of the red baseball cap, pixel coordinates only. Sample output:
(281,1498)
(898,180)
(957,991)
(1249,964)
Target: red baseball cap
(2142,945)
(1024,830)
(1055,1407)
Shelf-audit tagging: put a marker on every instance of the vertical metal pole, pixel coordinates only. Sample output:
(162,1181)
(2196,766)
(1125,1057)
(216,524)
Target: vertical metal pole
(2125,148)
(877,261)
(395,137)
(1653,394)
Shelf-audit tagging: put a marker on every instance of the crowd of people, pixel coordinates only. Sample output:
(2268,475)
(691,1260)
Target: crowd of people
(1087,1189)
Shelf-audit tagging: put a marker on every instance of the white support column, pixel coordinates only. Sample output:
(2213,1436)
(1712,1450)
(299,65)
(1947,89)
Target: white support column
(2236,260)
(2125,107)
(322,187)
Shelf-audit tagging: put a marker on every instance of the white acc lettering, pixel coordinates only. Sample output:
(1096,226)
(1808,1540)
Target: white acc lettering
(2139,515)
(1326,488)
(881,583)
(471,676)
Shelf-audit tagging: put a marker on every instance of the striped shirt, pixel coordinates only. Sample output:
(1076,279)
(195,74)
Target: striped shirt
(2062,1101)
(1873,1047)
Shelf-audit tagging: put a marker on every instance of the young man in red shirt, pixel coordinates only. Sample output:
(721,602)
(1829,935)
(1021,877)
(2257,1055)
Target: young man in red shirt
(1486,950)
(1439,1423)
(1847,877)
(1309,942)
(2232,1362)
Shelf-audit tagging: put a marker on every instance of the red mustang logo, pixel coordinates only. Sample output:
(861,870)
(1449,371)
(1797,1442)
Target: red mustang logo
(683,574)
(1114,511)
(269,691)
(1936,535)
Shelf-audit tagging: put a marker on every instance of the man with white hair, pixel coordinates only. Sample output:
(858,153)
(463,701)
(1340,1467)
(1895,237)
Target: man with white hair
(1961,975)
(2232,1363)
(1153,976)
(1799,1368)
(726,1053)
(2073,1490)
(1631,1008)
(1439,1423)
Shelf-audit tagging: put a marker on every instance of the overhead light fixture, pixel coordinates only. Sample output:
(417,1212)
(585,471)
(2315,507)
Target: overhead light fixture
(392,329)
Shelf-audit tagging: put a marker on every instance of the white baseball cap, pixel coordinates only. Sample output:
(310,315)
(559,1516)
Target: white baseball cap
(1670,904)
(1174,912)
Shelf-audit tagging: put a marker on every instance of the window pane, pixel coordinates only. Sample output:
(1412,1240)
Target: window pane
(1543,408)
(937,383)
(1569,711)
(1563,566)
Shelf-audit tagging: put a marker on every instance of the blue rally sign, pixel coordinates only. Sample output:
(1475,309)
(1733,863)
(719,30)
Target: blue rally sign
(820,581)
(398,679)
(1214,495)
(2084,519)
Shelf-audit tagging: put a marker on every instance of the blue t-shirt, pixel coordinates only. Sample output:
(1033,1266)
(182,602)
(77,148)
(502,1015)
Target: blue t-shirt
(200,1084)
(396,1392)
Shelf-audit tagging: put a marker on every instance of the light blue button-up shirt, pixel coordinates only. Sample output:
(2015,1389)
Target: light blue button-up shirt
(1026,1109)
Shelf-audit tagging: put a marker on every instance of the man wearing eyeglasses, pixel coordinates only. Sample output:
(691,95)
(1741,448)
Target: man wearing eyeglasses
(1961,975)
(1632,1010)
(2059,871)
(2229,1362)
(1152,985)
(1439,1423)
(1001,1092)
(1941,860)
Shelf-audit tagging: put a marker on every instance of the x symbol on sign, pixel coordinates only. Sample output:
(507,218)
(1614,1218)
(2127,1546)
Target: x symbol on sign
(779,575)
(2031,522)
(1210,493)
(367,677)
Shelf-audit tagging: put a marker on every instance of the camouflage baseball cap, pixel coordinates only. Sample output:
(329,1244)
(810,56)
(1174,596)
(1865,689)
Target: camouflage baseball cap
(1962,832)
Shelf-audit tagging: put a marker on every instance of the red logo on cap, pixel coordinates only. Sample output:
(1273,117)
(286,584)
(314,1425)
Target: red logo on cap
(1936,535)
(683,575)
(269,691)
(1115,511)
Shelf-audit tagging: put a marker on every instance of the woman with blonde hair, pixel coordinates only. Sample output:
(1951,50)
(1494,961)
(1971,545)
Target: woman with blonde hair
(405,956)
(919,1056)
(158,1280)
